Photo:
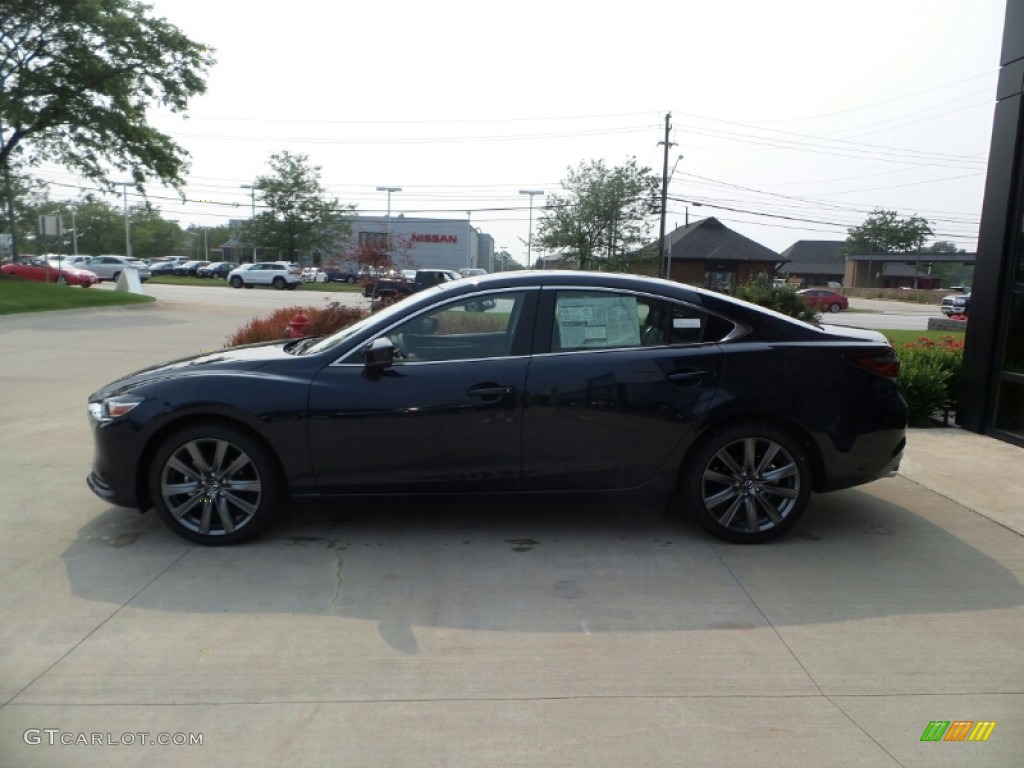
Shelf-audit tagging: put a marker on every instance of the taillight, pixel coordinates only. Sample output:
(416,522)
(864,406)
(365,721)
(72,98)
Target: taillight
(880,363)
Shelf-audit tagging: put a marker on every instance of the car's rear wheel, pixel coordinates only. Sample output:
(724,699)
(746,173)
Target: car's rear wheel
(834,307)
(279,283)
(292,286)
(748,483)
(236,282)
(61,280)
(213,484)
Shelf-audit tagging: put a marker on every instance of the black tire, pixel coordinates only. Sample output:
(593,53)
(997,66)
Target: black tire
(61,280)
(213,484)
(834,307)
(115,276)
(747,483)
(292,286)
(279,283)
(350,280)
(87,285)
(236,282)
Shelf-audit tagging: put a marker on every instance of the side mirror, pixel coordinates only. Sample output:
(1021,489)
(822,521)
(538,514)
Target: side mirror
(378,355)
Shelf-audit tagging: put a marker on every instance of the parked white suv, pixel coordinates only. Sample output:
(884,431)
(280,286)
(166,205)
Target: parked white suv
(280,274)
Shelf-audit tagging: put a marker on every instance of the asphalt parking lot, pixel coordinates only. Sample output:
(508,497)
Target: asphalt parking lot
(551,632)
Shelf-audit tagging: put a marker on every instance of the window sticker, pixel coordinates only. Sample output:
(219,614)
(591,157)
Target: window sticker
(686,322)
(598,322)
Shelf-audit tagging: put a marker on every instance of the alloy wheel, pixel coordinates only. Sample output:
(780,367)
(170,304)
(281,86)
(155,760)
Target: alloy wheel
(211,487)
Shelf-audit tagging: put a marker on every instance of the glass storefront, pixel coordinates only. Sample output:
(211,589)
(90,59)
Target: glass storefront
(1009,415)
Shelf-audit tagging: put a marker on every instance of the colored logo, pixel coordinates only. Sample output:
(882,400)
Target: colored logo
(958,730)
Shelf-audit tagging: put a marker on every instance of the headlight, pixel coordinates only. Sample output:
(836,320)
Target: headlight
(113,407)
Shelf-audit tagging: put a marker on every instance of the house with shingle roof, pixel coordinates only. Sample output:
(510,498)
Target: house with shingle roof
(814,262)
(707,253)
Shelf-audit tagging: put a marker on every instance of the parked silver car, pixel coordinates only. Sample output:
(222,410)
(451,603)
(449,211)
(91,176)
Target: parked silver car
(111,267)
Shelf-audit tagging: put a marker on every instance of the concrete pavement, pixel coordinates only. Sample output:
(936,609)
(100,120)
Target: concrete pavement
(551,632)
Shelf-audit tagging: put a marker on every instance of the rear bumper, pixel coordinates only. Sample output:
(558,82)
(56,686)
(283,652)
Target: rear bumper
(871,458)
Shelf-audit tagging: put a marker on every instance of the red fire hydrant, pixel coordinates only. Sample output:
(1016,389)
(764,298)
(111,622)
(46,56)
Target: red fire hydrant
(297,327)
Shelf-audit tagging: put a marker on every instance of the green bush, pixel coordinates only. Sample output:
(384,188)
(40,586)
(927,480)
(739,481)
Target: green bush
(930,376)
(782,299)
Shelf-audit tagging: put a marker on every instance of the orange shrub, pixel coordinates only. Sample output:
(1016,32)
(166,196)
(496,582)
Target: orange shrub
(323,320)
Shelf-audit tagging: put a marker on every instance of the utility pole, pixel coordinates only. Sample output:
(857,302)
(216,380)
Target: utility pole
(662,260)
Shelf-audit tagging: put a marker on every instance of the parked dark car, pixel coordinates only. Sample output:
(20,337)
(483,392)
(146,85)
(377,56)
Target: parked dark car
(216,269)
(190,268)
(399,286)
(571,381)
(959,304)
(340,275)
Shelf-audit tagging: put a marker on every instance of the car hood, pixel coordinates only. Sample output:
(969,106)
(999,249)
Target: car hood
(207,362)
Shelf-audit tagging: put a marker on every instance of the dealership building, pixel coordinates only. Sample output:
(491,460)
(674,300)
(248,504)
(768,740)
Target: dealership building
(424,243)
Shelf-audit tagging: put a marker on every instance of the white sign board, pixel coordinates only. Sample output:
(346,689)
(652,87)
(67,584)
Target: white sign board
(129,281)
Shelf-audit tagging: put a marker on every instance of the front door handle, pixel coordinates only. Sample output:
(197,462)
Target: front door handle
(688,377)
(489,391)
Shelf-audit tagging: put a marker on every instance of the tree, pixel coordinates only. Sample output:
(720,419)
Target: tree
(603,213)
(27,196)
(503,262)
(100,226)
(299,218)
(885,232)
(195,240)
(942,246)
(153,235)
(76,79)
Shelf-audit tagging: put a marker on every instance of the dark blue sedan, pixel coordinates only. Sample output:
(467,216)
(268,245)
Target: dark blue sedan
(567,381)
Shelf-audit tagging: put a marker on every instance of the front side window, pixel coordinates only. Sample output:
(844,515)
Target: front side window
(471,328)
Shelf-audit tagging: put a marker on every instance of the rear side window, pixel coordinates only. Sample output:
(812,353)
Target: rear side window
(611,320)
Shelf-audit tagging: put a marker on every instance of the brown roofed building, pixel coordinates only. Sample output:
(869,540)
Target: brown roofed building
(707,253)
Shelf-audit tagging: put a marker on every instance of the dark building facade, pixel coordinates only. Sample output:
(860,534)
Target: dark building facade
(992,393)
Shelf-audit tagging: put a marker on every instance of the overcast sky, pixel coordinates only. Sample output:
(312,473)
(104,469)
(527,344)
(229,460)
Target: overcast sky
(794,118)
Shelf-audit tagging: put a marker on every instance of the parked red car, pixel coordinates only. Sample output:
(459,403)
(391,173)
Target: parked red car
(36,269)
(822,299)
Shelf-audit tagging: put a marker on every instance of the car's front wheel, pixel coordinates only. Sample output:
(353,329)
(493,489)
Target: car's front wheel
(213,484)
(236,282)
(748,483)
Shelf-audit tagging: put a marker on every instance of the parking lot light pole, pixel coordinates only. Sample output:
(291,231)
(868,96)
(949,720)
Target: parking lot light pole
(529,240)
(389,190)
(127,224)
(252,216)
